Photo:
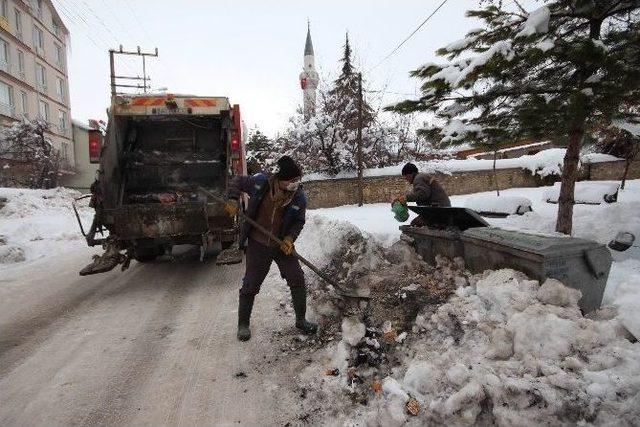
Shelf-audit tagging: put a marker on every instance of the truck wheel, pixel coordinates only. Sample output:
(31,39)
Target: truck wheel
(147,254)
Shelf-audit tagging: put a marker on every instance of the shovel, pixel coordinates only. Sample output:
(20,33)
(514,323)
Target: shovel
(339,289)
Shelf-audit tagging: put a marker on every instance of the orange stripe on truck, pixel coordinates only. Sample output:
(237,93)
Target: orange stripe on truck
(200,102)
(147,102)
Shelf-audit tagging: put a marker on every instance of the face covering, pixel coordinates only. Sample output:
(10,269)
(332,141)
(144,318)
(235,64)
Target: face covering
(293,186)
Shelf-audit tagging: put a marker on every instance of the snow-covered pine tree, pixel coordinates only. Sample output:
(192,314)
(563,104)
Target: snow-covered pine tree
(327,142)
(555,72)
(343,96)
(26,143)
(262,152)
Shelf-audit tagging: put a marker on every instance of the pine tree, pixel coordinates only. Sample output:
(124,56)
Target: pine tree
(343,96)
(327,142)
(262,152)
(558,72)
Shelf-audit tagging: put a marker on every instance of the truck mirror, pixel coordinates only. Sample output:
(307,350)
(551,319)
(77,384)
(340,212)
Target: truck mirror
(623,241)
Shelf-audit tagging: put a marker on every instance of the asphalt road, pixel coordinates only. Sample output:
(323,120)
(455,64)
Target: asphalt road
(154,345)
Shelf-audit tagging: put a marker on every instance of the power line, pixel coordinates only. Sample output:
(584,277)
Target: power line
(409,37)
(142,26)
(75,14)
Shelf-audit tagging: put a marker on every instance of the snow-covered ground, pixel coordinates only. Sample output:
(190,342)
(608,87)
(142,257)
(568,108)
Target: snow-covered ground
(504,349)
(38,223)
(436,344)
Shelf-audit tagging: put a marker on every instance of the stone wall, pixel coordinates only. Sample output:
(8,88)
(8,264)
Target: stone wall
(612,171)
(338,192)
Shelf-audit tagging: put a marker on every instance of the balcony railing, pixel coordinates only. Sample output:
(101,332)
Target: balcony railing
(5,66)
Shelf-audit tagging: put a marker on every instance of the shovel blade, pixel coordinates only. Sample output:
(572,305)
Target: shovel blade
(230,256)
(361,290)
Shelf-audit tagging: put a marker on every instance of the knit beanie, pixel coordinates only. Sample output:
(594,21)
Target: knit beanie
(409,169)
(287,169)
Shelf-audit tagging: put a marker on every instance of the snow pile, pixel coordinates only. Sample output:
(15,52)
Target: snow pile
(623,292)
(507,351)
(39,223)
(591,192)
(500,205)
(374,219)
(456,348)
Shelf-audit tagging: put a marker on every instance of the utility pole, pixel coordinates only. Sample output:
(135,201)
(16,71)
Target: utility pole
(360,183)
(114,78)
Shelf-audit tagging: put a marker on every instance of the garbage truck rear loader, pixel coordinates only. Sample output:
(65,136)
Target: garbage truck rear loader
(158,152)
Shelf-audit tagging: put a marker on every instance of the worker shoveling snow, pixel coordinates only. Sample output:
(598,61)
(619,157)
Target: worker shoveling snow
(438,345)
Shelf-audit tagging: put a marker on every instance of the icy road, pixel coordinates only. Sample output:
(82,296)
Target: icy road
(154,345)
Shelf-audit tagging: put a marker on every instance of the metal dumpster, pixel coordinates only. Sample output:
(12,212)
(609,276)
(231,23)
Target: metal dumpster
(578,263)
(442,236)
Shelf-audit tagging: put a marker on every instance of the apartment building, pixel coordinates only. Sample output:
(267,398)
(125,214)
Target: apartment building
(33,70)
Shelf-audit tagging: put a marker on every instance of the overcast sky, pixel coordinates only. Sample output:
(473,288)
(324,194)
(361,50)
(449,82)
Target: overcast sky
(251,50)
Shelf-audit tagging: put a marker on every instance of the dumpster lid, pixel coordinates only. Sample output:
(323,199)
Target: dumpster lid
(544,245)
(449,217)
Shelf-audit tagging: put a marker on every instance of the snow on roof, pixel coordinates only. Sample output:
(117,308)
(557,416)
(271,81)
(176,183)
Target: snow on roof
(632,127)
(80,124)
(517,147)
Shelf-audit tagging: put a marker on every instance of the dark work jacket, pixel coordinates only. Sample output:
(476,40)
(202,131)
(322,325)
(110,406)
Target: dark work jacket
(256,186)
(426,191)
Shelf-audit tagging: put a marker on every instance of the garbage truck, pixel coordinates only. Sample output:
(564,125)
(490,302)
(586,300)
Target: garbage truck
(162,154)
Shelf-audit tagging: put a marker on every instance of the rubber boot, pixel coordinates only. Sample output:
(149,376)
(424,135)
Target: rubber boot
(245,306)
(299,299)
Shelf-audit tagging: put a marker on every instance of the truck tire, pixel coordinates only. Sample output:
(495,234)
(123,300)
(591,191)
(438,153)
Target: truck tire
(147,254)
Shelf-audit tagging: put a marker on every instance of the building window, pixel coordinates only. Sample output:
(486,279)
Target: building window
(24,101)
(4,56)
(59,56)
(43,110)
(37,6)
(3,8)
(21,63)
(64,153)
(56,28)
(18,17)
(62,121)
(60,90)
(38,40)
(41,78)
(6,99)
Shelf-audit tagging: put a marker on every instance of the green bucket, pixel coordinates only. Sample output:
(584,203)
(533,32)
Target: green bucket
(401,213)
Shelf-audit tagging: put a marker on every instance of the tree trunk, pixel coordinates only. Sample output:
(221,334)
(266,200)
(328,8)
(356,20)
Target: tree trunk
(566,201)
(495,174)
(627,162)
